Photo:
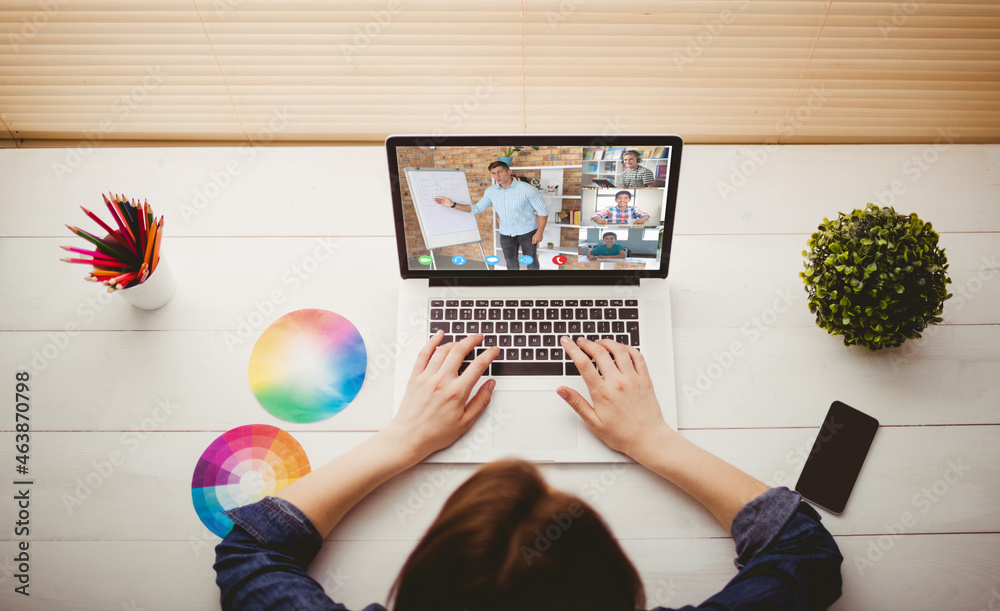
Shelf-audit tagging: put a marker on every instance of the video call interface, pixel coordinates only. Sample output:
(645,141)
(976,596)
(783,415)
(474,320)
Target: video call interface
(476,208)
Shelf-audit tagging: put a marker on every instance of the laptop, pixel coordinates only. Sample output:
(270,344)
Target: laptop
(465,271)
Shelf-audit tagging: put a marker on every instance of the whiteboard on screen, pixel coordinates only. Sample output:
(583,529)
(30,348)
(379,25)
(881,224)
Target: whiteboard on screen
(441,226)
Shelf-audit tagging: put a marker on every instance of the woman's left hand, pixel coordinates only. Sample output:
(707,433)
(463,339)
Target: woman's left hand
(436,410)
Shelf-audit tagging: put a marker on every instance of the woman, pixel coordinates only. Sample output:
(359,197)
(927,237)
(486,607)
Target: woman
(504,539)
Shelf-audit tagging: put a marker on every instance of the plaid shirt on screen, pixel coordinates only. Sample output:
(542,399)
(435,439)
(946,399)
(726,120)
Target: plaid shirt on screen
(616,215)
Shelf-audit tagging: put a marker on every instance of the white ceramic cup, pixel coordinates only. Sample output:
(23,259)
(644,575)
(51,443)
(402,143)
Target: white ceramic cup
(155,292)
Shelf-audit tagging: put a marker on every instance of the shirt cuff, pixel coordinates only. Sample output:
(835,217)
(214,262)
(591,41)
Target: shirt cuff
(276,522)
(760,521)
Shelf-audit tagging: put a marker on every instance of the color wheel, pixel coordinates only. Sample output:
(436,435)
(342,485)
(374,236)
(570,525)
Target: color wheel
(308,365)
(243,466)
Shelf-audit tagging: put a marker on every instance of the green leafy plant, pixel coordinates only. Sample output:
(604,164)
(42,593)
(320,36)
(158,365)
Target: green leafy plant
(509,152)
(876,277)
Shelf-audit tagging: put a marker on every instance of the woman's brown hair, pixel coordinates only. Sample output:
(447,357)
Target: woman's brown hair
(505,540)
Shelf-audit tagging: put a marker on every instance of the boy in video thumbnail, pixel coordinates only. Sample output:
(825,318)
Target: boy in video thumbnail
(608,250)
(635,176)
(622,213)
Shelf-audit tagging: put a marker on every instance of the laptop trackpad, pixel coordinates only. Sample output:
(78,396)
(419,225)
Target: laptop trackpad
(527,420)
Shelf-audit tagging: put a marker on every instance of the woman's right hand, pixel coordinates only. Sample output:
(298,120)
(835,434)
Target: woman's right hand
(625,415)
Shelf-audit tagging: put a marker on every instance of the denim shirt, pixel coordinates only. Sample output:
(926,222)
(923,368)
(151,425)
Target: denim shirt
(786,559)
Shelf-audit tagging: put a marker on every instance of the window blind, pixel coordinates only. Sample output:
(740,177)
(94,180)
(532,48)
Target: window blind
(801,71)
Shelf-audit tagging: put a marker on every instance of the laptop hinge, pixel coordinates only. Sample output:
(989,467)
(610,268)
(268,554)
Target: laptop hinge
(528,280)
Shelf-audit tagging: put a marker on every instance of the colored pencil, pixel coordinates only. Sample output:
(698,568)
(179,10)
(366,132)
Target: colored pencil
(99,256)
(126,256)
(117,240)
(122,279)
(156,247)
(82,251)
(128,207)
(100,244)
(98,220)
(148,255)
(140,216)
(119,216)
(143,219)
(132,225)
(104,262)
(98,262)
(116,217)
(117,201)
(123,205)
(136,228)
(123,201)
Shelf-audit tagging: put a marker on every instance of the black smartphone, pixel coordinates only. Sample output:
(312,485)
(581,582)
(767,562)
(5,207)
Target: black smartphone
(835,461)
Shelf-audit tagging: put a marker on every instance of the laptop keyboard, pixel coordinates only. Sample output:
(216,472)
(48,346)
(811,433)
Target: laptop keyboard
(527,331)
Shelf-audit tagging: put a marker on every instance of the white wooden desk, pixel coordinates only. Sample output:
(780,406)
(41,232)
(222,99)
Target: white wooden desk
(123,401)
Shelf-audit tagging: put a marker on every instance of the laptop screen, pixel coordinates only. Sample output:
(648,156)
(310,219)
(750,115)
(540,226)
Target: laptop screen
(550,206)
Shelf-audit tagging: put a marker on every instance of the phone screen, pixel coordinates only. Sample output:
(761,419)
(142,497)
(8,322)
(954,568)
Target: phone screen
(835,461)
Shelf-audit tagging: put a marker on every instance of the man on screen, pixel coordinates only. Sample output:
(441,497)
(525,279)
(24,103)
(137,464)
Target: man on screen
(621,214)
(520,209)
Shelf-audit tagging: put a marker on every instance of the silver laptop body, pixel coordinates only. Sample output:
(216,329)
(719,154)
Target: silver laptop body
(526,419)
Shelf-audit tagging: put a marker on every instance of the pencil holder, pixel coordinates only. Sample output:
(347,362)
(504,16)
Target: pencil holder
(155,292)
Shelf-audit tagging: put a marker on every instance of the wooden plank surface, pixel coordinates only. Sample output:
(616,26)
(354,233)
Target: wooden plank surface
(724,189)
(124,401)
(89,476)
(947,477)
(725,378)
(211,191)
(716,281)
(918,573)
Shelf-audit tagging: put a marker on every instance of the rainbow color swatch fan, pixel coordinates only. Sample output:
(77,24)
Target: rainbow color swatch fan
(243,466)
(308,365)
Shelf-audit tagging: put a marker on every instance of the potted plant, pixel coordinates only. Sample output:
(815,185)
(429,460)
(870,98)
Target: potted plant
(550,245)
(876,277)
(509,152)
